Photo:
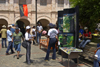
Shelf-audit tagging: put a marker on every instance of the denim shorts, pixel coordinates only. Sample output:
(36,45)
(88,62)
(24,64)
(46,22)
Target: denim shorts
(17,47)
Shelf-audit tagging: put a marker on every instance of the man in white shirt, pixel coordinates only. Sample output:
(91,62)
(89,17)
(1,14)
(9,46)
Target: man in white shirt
(52,35)
(10,43)
(39,30)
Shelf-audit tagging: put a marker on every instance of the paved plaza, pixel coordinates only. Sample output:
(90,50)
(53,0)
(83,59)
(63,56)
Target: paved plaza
(37,56)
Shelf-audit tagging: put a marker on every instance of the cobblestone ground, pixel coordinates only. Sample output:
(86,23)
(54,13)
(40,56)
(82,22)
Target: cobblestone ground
(37,56)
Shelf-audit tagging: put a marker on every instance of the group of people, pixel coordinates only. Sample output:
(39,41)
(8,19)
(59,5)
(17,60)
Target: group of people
(85,35)
(14,36)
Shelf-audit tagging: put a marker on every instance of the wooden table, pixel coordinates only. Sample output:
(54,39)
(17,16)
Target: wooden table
(72,55)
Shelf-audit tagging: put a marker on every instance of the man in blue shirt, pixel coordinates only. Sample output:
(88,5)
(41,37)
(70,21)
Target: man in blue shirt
(10,43)
(81,31)
(97,56)
(12,29)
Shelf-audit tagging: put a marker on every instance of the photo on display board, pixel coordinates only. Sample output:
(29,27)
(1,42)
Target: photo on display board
(66,40)
(60,24)
(61,40)
(68,23)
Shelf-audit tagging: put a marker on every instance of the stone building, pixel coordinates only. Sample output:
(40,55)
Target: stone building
(46,12)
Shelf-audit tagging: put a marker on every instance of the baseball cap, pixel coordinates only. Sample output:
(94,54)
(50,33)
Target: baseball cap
(16,28)
(85,28)
(9,25)
(12,24)
(28,27)
(50,25)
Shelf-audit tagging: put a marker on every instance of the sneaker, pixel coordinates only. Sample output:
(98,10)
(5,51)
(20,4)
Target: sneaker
(5,46)
(2,46)
(29,63)
(17,57)
(12,52)
(7,54)
(53,59)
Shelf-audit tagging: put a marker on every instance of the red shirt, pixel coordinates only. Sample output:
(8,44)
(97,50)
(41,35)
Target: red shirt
(87,34)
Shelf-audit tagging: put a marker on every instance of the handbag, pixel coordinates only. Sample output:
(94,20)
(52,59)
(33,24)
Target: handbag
(24,44)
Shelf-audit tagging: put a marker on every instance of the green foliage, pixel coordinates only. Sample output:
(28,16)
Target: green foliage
(89,12)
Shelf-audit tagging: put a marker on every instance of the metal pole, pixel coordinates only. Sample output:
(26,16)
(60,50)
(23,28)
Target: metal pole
(36,18)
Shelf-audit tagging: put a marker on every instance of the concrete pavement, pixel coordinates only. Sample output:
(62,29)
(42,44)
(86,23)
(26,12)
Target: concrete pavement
(37,56)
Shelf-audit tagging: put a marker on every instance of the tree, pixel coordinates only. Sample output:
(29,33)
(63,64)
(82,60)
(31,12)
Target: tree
(89,12)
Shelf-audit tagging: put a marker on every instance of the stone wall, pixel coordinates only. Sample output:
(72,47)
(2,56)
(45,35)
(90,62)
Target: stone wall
(10,11)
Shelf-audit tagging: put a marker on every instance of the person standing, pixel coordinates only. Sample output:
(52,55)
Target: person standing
(34,34)
(4,36)
(39,31)
(16,38)
(97,56)
(13,28)
(10,43)
(52,35)
(28,39)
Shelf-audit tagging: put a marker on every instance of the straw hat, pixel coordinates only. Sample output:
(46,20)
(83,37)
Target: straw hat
(4,26)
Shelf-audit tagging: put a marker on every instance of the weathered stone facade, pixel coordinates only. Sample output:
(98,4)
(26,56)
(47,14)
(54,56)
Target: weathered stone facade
(9,12)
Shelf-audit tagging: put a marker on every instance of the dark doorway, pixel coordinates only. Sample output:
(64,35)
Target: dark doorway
(21,25)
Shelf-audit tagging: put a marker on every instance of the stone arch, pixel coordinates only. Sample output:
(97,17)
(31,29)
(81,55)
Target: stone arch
(3,21)
(44,17)
(44,23)
(24,18)
(22,23)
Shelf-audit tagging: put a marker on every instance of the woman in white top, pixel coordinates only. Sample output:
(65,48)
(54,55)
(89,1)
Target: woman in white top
(28,38)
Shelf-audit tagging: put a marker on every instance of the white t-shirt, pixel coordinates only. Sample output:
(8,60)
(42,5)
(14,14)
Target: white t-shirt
(52,33)
(28,36)
(39,28)
(33,30)
(34,35)
(9,33)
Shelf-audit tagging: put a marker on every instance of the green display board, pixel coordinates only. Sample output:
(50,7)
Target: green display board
(61,40)
(68,23)
(66,40)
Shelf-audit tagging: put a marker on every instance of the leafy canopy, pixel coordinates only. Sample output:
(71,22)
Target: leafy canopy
(89,12)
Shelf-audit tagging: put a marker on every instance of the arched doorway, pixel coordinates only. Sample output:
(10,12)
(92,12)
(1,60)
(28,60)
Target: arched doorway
(44,23)
(3,22)
(22,23)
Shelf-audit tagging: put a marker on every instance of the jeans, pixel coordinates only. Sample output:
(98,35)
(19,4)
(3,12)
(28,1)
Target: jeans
(10,46)
(52,43)
(96,62)
(28,52)
(84,42)
(34,40)
(38,37)
(17,47)
(4,40)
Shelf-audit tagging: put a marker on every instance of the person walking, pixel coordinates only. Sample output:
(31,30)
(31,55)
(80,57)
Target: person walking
(34,34)
(39,31)
(28,39)
(10,43)
(4,36)
(16,38)
(52,35)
